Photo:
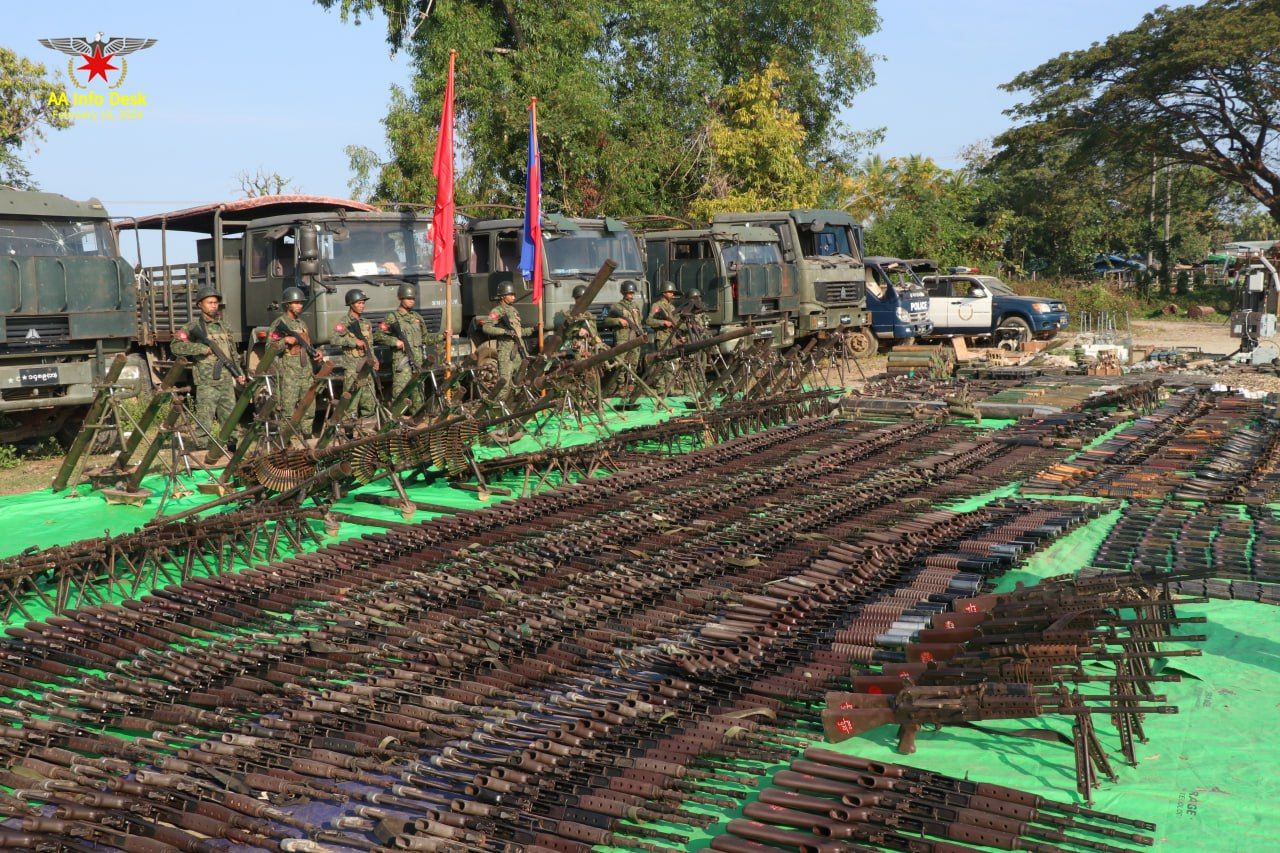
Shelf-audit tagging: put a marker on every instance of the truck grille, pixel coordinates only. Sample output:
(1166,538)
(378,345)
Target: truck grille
(433,317)
(838,292)
(37,331)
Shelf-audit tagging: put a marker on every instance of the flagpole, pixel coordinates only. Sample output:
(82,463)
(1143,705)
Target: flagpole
(453,276)
(537,250)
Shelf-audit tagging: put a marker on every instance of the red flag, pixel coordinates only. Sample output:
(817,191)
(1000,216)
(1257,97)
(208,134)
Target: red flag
(531,261)
(442,168)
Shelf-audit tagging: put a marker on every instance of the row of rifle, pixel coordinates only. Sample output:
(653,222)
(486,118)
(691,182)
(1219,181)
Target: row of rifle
(1026,654)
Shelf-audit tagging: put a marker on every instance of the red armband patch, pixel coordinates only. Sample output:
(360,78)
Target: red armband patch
(493,315)
(384,327)
(275,336)
(339,328)
(182,335)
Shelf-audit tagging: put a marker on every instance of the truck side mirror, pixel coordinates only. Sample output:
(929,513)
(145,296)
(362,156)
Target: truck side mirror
(308,250)
(976,292)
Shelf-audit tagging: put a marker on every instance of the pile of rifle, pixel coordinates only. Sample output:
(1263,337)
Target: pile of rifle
(617,648)
(828,799)
(1225,548)
(1012,656)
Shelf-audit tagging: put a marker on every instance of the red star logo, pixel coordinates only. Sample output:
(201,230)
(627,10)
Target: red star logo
(97,65)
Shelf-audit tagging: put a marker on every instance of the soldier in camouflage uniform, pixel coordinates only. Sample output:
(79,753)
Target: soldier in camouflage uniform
(693,315)
(579,330)
(295,373)
(364,397)
(627,320)
(424,346)
(215,386)
(503,324)
(663,317)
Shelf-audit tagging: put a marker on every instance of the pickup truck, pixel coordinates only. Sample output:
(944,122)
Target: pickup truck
(977,305)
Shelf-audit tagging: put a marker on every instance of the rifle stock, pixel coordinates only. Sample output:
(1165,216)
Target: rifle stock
(838,725)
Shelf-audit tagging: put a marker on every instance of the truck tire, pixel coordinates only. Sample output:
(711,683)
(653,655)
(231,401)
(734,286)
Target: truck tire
(1022,326)
(862,343)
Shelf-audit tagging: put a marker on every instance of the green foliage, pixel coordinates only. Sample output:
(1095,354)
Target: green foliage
(918,209)
(9,457)
(1094,296)
(25,113)
(1197,86)
(757,149)
(626,91)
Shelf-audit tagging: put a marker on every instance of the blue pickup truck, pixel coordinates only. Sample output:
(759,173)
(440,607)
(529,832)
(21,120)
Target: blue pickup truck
(975,305)
(897,302)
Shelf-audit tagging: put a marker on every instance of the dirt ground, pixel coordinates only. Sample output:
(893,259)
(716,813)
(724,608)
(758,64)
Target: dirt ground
(34,474)
(1167,334)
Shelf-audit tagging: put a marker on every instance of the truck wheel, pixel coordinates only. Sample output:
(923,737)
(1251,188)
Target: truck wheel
(862,343)
(1022,326)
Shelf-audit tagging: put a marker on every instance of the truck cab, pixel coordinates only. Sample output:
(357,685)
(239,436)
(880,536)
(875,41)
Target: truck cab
(574,249)
(976,305)
(67,305)
(737,270)
(254,248)
(822,250)
(897,301)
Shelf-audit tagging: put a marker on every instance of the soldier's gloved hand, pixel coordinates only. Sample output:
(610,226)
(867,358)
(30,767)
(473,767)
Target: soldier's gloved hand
(240,380)
(359,344)
(399,344)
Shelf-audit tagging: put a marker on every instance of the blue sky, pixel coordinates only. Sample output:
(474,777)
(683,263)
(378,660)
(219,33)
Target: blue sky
(284,85)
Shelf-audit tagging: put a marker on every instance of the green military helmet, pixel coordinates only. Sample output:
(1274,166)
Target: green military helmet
(628,287)
(205,292)
(506,289)
(407,291)
(579,292)
(669,287)
(356,295)
(292,294)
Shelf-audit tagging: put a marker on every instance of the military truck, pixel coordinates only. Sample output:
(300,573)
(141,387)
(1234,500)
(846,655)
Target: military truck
(823,253)
(67,307)
(737,270)
(253,248)
(574,250)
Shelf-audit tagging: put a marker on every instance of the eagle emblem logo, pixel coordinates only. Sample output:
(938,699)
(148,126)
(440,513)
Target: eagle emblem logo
(97,54)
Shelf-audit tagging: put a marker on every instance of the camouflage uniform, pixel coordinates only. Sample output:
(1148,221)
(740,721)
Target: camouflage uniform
(661,311)
(500,323)
(628,310)
(215,386)
(573,323)
(364,399)
(295,375)
(424,344)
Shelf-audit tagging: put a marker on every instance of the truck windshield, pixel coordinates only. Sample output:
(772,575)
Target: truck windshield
(902,280)
(751,253)
(832,240)
(378,248)
(41,238)
(995,285)
(572,253)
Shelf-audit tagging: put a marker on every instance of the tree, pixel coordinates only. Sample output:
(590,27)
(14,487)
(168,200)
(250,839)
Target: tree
(757,147)
(30,104)
(1197,86)
(626,90)
(262,182)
